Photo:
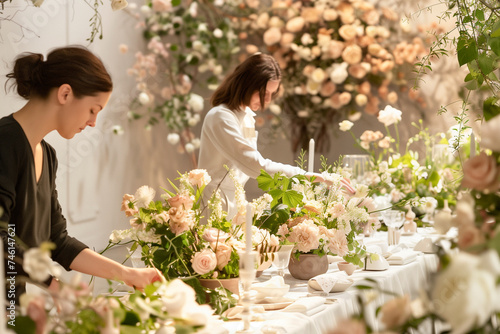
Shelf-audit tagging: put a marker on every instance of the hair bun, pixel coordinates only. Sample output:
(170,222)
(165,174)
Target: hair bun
(28,73)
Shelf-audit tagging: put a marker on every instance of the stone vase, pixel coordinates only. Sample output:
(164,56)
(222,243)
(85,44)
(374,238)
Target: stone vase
(307,266)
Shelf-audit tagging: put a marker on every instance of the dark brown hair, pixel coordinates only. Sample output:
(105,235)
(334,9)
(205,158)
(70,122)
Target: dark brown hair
(74,65)
(250,76)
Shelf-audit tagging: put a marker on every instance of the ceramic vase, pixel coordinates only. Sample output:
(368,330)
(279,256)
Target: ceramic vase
(307,266)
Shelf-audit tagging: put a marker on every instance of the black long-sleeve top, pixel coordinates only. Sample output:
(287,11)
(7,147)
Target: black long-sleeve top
(31,208)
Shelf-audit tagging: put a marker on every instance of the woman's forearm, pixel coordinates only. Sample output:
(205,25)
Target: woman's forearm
(92,263)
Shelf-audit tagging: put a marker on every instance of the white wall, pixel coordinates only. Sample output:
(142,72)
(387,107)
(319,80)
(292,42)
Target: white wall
(96,167)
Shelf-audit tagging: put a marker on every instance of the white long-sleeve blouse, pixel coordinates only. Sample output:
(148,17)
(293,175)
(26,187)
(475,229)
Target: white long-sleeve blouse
(229,138)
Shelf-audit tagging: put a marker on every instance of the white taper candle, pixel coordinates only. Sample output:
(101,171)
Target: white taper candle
(310,168)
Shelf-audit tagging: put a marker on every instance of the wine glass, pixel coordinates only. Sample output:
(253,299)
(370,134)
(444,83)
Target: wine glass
(281,258)
(394,219)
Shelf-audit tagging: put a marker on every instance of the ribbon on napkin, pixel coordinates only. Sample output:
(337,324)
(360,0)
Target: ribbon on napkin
(307,305)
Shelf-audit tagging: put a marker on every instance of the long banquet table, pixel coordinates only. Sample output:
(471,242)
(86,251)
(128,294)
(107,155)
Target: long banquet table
(399,279)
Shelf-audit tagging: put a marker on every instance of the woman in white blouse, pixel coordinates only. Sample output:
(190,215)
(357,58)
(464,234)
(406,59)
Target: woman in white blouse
(228,135)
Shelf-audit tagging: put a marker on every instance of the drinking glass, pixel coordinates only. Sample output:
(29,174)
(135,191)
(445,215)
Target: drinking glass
(281,258)
(394,219)
(357,164)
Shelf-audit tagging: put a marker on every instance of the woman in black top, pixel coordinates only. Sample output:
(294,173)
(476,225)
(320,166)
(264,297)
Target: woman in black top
(65,93)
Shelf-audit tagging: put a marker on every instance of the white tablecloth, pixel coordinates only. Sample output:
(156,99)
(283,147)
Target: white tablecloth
(399,279)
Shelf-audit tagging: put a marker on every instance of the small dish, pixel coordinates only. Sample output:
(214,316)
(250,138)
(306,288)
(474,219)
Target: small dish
(271,304)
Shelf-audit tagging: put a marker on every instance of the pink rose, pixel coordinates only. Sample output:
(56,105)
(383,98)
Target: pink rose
(396,312)
(335,49)
(127,199)
(181,200)
(223,254)
(213,234)
(310,14)
(180,220)
(327,89)
(204,261)
(481,173)
(305,235)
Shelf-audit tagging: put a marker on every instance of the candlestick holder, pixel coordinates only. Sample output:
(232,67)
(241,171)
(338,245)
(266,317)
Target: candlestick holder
(247,275)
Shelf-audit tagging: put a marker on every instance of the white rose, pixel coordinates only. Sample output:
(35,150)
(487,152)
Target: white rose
(176,297)
(465,293)
(173,138)
(189,148)
(196,102)
(389,115)
(275,109)
(144,98)
(218,33)
(489,134)
(345,125)
(193,9)
(339,73)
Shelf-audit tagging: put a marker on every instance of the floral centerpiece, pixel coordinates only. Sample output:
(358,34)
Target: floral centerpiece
(337,57)
(189,45)
(317,218)
(422,178)
(163,307)
(170,237)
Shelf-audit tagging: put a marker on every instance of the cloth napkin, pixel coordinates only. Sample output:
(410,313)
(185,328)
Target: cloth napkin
(307,305)
(402,257)
(327,282)
(235,312)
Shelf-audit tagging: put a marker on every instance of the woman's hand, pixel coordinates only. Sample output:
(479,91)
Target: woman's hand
(347,187)
(138,278)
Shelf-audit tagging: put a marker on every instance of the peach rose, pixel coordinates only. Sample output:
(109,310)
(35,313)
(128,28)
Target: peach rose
(386,66)
(352,54)
(318,75)
(334,49)
(181,201)
(371,17)
(396,312)
(180,220)
(330,14)
(204,261)
(305,235)
(286,39)
(213,234)
(392,97)
(296,24)
(223,254)
(199,177)
(310,14)
(347,32)
(481,173)
(272,36)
